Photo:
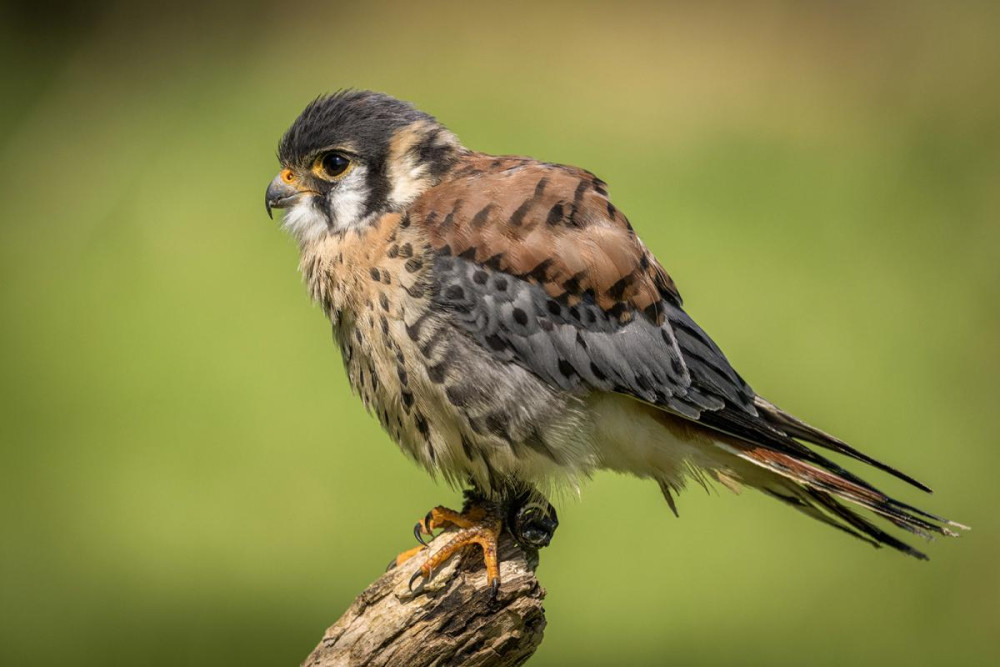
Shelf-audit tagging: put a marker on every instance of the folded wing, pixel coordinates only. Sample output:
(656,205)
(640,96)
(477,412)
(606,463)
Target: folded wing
(536,264)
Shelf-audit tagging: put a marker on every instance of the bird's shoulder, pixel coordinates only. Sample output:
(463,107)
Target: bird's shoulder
(534,263)
(549,224)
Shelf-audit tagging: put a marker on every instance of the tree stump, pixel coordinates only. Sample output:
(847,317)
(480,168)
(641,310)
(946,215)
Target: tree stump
(449,619)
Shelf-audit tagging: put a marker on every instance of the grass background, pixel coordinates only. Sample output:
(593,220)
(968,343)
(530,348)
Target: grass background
(184,475)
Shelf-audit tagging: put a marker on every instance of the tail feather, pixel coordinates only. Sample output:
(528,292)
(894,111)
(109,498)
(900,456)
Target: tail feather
(796,428)
(860,523)
(766,449)
(668,490)
(810,509)
(817,492)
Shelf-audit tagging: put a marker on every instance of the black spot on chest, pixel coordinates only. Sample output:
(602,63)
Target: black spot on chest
(422,426)
(437,372)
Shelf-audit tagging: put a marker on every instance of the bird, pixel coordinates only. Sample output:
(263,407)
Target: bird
(513,335)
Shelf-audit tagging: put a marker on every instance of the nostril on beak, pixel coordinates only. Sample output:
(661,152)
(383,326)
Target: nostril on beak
(280,192)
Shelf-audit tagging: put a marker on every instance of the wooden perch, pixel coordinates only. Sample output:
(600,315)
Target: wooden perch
(447,620)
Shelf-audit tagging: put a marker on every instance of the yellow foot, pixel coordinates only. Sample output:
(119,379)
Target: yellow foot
(480,524)
(405,556)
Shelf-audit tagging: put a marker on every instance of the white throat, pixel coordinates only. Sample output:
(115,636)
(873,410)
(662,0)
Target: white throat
(347,202)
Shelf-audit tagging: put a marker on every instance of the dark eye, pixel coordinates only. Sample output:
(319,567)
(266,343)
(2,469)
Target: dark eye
(334,165)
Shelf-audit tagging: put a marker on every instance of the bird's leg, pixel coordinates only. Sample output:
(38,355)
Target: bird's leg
(531,520)
(484,532)
(439,517)
(405,556)
(480,523)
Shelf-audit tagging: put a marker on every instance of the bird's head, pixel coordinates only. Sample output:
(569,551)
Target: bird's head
(352,156)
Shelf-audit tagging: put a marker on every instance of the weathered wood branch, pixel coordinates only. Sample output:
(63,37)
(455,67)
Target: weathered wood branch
(449,620)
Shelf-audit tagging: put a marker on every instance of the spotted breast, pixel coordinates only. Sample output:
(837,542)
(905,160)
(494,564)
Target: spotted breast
(456,411)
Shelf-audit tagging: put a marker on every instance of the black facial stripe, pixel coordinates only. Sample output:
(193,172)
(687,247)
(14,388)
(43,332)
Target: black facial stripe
(319,203)
(440,157)
(378,186)
(422,148)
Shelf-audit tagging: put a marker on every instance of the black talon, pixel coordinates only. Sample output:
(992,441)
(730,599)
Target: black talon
(417,533)
(415,576)
(494,589)
(391,565)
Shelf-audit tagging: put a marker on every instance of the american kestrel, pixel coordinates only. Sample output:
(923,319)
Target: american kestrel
(512,333)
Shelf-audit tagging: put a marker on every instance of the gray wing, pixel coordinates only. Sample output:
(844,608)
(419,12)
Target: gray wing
(672,364)
(582,347)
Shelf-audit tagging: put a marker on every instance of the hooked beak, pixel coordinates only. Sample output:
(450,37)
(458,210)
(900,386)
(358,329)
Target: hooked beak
(280,194)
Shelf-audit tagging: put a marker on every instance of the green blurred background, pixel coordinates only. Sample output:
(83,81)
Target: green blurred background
(185,476)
